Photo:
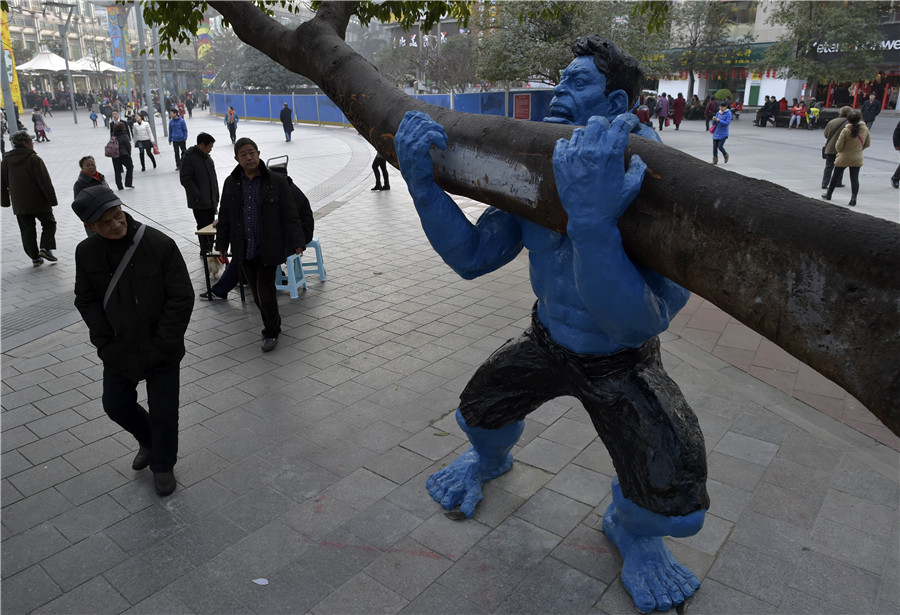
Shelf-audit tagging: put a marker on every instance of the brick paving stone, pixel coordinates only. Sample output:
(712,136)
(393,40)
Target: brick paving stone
(27,590)
(554,587)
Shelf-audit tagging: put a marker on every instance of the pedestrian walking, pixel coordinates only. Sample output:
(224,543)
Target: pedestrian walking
(380,164)
(710,111)
(678,110)
(829,152)
(895,178)
(88,176)
(720,131)
(870,110)
(231,121)
(28,189)
(662,110)
(134,293)
(123,160)
(854,138)
(143,140)
(178,135)
(198,176)
(287,121)
(40,126)
(93,117)
(259,220)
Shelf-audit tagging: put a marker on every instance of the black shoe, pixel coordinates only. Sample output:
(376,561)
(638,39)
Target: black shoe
(47,255)
(377,187)
(824,186)
(852,202)
(164,482)
(142,459)
(269,344)
(895,183)
(386,187)
(826,196)
(210,296)
(839,186)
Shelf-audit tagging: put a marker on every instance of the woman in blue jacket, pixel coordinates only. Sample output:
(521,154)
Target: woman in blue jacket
(720,131)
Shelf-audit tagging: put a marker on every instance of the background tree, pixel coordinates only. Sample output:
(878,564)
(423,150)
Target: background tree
(398,64)
(533,40)
(834,41)
(23,54)
(700,32)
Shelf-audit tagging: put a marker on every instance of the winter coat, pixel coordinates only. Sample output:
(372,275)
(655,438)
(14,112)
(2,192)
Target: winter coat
(711,106)
(26,183)
(832,132)
(234,119)
(678,109)
(177,130)
(84,181)
(280,229)
(143,325)
(870,110)
(198,176)
(721,131)
(124,144)
(142,132)
(662,107)
(285,117)
(304,211)
(38,120)
(850,148)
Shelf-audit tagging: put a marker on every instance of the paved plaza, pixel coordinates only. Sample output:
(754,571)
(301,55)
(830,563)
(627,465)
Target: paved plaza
(301,473)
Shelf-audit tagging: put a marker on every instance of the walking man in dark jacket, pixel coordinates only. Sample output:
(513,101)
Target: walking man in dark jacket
(198,176)
(286,122)
(259,220)
(137,319)
(27,187)
(870,110)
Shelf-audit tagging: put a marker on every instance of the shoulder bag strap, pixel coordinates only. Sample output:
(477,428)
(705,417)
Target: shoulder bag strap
(124,263)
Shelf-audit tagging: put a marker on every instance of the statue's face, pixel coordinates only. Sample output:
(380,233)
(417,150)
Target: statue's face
(580,94)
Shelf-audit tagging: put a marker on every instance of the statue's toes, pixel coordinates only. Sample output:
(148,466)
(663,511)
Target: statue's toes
(644,600)
(451,499)
(687,582)
(660,591)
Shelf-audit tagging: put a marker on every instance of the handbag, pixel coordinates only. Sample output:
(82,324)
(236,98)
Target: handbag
(111,149)
(823,153)
(667,121)
(155,150)
(712,129)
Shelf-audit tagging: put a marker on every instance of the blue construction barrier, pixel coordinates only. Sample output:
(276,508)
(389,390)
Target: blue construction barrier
(533,105)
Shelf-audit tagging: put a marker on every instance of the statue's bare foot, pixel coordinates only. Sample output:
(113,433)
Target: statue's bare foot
(459,484)
(649,571)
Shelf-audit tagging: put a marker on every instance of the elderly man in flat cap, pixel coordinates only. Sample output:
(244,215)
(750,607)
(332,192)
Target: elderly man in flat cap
(133,291)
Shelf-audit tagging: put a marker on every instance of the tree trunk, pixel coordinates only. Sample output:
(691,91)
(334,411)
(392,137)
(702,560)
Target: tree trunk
(816,279)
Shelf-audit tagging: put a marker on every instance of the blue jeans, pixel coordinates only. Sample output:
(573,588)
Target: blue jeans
(718,144)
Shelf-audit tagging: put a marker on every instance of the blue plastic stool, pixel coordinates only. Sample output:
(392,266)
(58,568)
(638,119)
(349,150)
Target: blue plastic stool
(297,269)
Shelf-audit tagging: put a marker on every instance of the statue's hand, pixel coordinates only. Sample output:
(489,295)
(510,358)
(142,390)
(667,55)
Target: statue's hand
(415,136)
(590,172)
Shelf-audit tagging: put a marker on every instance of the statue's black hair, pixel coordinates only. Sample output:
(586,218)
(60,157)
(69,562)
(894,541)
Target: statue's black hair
(621,70)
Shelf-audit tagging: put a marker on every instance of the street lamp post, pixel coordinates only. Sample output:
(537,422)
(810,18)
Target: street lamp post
(144,52)
(63,32)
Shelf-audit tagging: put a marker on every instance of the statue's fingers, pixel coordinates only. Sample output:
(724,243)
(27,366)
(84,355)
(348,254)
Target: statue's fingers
(619,131)
(596,127)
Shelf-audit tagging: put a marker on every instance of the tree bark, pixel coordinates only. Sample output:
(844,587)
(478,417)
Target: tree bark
(814,278)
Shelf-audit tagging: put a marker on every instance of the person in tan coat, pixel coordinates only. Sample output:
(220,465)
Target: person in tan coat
(832,132)
(854,138)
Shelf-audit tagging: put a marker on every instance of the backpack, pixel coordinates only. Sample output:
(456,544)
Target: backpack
(111,150)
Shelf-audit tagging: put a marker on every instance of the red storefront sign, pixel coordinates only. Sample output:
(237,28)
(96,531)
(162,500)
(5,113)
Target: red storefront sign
(522,106)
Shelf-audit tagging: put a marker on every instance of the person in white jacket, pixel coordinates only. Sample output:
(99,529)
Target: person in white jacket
(143,139)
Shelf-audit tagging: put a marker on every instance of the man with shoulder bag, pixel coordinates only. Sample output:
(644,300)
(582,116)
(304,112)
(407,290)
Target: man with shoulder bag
(134,293)
(829,151)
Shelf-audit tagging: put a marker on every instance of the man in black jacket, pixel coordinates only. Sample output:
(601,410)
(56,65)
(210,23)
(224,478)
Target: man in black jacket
(137,322)
(870,110)
(198,176)
(259,219)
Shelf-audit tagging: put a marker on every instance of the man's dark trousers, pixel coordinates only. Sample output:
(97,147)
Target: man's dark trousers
(261,279)
(29,232)
(179,152)
(157,428)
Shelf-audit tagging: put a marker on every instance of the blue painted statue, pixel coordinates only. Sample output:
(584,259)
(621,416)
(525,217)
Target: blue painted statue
(594,327)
